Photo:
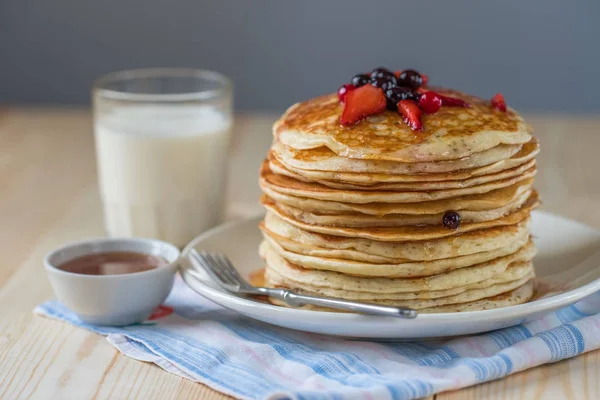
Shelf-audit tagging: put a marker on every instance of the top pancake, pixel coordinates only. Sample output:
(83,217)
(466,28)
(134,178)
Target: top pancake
(449,134)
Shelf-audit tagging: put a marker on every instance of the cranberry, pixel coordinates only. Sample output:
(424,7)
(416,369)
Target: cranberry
(430,102)
(410,78)
(343,91)
(451,220)
(360,80)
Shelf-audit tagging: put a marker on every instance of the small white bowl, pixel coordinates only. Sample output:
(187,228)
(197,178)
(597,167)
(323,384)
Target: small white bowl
(113,299)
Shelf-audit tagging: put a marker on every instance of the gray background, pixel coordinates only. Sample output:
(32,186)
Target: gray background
(544,55)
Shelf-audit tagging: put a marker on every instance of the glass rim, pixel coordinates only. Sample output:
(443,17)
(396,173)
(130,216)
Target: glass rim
(98,88)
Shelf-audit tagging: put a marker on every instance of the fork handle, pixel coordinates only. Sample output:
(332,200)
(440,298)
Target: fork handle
(296,300)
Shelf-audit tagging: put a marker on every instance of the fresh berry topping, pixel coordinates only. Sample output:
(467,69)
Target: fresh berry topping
(343,91)
(453,102)
(430,102)
(395,95)
(411,113)
(498,102)
(360,80)
(410,78)
(362,102)
(451,220)
(384,82)
(403,91)
(382,73)
(380,69)
(415,96)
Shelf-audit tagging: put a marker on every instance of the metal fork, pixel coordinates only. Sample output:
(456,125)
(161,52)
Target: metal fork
(226,275)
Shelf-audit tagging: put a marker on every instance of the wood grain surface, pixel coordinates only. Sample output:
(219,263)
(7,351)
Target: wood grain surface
(49,197)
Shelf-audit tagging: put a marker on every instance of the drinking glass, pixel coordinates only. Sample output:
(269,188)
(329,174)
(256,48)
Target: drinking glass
(162,137)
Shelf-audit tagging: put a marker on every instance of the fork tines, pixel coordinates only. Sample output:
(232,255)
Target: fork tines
(219,268)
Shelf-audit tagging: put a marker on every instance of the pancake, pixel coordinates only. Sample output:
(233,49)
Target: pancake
(322,159)
(410,232)
(327,163)
(355,255)
(411,269)
(480,289)
(512,298)
(277,168)
(449,134)
(515,272)
(358,220)
(314,244)
(485,201)
(286,185)
(520,295)
(509,267)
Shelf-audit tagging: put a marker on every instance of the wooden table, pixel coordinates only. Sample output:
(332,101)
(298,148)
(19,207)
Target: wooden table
(49,197)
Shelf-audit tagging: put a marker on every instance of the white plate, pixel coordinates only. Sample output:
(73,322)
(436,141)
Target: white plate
(567,266)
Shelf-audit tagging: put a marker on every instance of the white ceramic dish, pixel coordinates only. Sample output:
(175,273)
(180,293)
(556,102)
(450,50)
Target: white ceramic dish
(567,266)
(112,299)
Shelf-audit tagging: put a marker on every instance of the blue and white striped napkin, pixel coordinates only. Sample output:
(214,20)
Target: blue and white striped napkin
(203,342)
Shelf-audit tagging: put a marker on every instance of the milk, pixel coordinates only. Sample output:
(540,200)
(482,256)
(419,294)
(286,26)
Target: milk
(162,170)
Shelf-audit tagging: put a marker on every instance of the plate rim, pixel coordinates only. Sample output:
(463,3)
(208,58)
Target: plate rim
(536,306)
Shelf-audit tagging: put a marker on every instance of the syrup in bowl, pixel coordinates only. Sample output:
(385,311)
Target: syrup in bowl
(113,263)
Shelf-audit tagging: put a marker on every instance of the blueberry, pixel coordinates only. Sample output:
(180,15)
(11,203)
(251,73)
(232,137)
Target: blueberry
(382,73)
(360,80)
(451,220)
(415,96)
(395,95)
(380,69)
(410,78)
(383,83)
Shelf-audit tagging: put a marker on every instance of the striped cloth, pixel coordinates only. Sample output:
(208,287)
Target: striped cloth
(203,342)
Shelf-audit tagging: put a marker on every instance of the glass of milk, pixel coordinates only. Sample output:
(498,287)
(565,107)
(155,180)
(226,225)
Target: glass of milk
(162,137)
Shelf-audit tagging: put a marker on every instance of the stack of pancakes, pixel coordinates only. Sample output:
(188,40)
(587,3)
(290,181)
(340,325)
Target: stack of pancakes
(357,212)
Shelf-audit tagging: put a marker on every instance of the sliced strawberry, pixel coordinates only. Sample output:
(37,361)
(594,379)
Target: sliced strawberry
(362,102)
(397,73)
(411,113)
(498,102)
(453,102)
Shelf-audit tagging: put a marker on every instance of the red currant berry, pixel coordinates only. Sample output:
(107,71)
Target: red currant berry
(344,90)
(498,102)
(430,102)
